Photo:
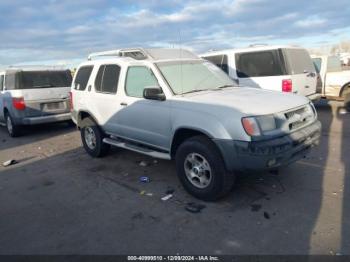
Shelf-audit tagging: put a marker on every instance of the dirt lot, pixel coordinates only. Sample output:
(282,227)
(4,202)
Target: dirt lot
(58,200)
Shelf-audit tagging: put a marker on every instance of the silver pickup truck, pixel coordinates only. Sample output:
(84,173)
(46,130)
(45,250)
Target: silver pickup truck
(171,104)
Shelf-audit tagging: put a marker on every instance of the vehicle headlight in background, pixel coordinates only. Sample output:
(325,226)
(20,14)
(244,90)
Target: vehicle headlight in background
(255,126)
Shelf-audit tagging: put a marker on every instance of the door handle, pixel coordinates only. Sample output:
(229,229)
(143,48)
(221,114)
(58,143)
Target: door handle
(123,104)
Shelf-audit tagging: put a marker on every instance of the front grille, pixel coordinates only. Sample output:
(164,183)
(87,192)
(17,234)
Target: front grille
(299,117)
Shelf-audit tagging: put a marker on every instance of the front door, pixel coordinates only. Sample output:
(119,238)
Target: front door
(147,121)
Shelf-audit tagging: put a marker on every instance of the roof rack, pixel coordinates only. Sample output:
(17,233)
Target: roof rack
(135,53)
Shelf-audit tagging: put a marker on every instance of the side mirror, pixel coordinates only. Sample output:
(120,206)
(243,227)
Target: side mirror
(153,93)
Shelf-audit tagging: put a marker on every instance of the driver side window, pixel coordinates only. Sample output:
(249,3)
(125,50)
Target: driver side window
(139,77)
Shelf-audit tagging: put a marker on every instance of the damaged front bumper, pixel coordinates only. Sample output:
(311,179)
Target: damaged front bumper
(271,153)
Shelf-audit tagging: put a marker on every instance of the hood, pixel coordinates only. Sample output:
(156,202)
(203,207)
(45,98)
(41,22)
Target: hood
(247,100)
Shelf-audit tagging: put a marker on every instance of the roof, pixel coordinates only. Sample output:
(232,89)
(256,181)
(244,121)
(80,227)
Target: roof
(250,49)
(33,68)
(149,54)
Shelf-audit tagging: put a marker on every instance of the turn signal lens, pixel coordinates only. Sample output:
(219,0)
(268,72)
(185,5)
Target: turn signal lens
(251,126)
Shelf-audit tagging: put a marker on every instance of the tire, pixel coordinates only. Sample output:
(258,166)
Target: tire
(12,129)
(347,102)
(212,183)
(92,138)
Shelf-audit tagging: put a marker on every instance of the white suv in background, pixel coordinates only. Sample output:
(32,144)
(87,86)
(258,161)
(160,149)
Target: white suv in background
(279,68)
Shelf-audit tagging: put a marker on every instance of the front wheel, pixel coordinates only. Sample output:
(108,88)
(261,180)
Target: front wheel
(92,138)
(12,129)
(201,169)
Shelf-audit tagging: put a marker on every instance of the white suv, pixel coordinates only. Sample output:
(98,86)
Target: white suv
(171,104)
(279,68)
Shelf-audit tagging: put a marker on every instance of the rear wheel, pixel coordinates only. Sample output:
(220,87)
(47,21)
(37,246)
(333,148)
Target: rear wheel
(12,129)
(92,138)
(201,169)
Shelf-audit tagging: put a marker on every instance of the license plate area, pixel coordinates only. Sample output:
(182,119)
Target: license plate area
(52,106)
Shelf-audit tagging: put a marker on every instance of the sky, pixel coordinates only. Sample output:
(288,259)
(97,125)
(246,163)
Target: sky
(66,31)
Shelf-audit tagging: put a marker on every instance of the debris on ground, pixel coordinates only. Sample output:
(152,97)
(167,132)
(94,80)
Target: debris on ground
(143,163)
(170,191)
(266,215)
(142,192)
(334,193)
(255,207)
(167,197)
(9,162)
(145,179)
(149,194)
(194,207)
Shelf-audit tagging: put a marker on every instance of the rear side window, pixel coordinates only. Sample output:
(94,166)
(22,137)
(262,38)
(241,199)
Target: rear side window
(137,79)
(1,82)
(82,78)
(107,79)
(299,61)
(44,79)
(220,61)
(259,64)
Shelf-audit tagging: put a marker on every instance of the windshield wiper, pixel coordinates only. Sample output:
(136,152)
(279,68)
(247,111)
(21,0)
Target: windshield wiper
(195,90)
(225,86)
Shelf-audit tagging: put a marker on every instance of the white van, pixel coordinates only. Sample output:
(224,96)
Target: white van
(33,95)
(278,68)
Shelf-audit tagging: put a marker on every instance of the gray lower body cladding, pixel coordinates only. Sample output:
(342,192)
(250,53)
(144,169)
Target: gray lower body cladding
(269,154)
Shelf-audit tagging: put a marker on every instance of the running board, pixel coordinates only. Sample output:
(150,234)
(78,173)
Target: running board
(138,149)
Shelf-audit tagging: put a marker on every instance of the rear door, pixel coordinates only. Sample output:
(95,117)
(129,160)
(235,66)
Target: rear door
(44,92)
(264,69)
(103,102)
(302,71)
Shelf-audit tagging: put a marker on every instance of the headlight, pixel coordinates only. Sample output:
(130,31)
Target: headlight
(267,123)
(255,126)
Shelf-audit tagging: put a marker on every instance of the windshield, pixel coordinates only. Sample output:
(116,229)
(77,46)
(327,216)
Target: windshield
(44,79)
(187,77)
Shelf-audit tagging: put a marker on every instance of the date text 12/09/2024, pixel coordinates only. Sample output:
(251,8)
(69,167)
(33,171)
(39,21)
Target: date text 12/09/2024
(173,258)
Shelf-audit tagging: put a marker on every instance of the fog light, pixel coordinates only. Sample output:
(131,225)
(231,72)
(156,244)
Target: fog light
(271,162)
